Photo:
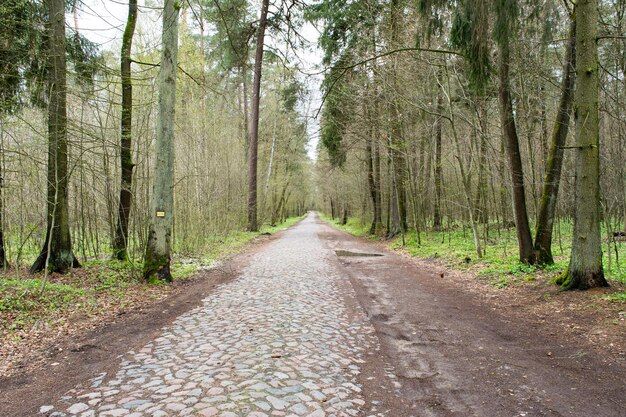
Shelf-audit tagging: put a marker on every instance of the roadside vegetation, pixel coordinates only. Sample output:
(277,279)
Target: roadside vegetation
(37,307)
(500,265)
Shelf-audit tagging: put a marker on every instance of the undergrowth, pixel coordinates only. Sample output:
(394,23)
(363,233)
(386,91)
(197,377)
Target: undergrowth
(500,264)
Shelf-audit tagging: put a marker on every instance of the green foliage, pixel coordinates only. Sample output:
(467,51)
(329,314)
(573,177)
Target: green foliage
(500,264)
(23,54)
(290,95)
(507,12)
(24,295)
(344,24)
(618,297)
(354,226)
(85,56)
(21,39)
(336,113)
(432,10)
(469,34)
(235,30)
(22,302)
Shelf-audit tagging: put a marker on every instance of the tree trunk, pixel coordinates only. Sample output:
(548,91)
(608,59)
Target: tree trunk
(254,128)
(398,145)
(157,260)
(371,182)
(480,199)
(585,268)
(378,209)
(3,260)
(57,249)
(246,111)
(120,242)
(438,169)
(509,129)
(547,209)
(465,178)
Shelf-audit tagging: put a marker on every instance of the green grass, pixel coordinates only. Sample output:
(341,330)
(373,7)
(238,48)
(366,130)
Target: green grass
(500,264)
(354,226)
(618,297)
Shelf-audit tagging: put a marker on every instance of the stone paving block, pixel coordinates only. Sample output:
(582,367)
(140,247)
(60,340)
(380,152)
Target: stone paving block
(275,342)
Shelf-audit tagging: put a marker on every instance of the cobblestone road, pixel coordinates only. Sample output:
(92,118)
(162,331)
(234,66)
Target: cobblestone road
(277,341)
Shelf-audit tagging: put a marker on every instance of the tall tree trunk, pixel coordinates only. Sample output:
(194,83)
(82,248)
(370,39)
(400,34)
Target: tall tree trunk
(246,112)
(157,259)
(254,128)
(465,177)
(480,199)
(511,139)
(504,198)
(438,169)
(378,209)
(398,145)
(371,182)
(120,242)
(547,209)
(57,249)
(3,260)
(585,268)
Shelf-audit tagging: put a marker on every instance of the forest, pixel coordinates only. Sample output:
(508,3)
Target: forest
(456,127)
(485,134)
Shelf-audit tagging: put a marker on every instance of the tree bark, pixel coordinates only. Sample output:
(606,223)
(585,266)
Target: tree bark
(378,209)
(480,199)
(438,168)
(254,128)
(547,209)
(398,145)
(465,178)
(120,242)
(371,182)
(511,139)
(57,251)
(585,268)
(158,249)
(3,259)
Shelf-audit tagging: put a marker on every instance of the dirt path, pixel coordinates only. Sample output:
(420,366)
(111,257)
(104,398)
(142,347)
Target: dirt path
(455,355)
(301,327)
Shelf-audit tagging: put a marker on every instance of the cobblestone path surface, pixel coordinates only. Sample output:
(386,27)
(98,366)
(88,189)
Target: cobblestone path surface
(277,341)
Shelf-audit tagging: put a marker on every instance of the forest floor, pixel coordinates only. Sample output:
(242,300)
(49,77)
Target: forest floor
(297,325)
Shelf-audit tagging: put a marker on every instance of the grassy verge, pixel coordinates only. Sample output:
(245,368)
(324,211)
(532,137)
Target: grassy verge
(30,306)
(500,264)
(354,226)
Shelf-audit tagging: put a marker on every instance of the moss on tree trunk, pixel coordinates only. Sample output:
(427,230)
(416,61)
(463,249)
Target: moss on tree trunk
(157,258)
(585,268)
